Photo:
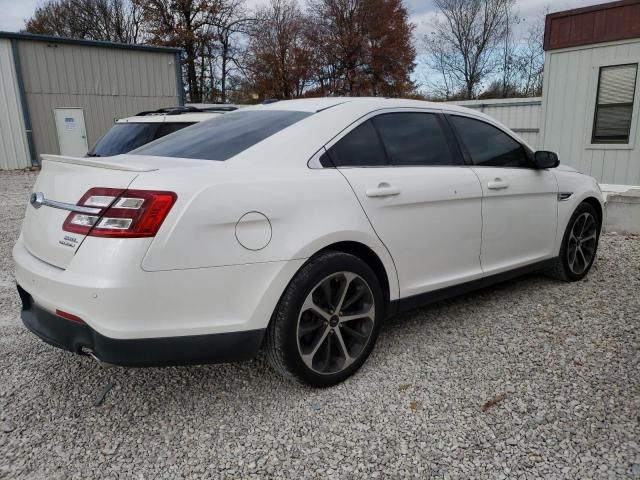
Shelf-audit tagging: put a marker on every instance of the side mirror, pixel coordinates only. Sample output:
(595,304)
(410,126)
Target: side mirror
(544,159)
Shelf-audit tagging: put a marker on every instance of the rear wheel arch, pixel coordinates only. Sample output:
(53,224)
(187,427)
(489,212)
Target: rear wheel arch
(367,255)
(361,251)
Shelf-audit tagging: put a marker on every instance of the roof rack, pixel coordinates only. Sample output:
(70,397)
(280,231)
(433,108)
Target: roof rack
(186,109)
(221,108)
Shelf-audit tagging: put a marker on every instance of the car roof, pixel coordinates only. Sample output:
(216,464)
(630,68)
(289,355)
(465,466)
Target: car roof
(329,117)
(314,105)
(163,117)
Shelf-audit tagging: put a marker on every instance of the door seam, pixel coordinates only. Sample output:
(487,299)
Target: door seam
(375,232)
(481,218)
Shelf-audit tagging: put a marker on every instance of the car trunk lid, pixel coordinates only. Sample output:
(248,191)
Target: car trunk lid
(66,180)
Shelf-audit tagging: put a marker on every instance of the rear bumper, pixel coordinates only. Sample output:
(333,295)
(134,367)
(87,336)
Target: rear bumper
(105,287)
(141,352)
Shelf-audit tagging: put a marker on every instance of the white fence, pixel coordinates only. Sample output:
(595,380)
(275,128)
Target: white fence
(522,115)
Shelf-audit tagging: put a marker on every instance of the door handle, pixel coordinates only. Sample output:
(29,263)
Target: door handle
(383,190)
(497,184)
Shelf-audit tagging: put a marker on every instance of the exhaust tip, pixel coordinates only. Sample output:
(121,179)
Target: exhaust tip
(90,353)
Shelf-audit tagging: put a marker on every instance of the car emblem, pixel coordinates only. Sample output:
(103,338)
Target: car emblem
(37,199)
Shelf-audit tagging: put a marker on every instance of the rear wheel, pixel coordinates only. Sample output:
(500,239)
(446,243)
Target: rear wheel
(579,245)
(327,321)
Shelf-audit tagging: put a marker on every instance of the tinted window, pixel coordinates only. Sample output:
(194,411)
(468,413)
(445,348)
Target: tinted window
(488,145)
(224,136)
(167,128)
(124,137)
(359,148)
(413,139)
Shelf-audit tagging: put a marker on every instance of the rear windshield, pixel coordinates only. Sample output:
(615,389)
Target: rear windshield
(223,137)
(124,137)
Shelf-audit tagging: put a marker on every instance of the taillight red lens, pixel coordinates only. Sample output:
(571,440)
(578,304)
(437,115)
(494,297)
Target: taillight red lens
(123,213)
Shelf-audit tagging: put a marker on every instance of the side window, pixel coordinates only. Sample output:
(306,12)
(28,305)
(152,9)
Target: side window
(488,145)
(414,139)
(359,148)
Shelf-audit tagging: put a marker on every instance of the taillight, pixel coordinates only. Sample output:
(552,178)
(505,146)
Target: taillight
(121,213)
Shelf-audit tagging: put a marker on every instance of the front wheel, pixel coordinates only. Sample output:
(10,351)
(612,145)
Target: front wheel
(579,245)
(327,320)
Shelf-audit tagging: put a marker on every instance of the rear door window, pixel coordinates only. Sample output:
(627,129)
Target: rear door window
(361,147)
(223,137)
(414,139)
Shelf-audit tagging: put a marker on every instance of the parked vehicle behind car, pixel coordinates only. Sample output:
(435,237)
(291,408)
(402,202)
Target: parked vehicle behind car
(129,133)
(296,227)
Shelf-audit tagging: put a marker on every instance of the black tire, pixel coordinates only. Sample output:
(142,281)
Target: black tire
(562,269)
(282,343)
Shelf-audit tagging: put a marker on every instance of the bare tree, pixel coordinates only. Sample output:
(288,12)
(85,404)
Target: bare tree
(530,59)
(509,56)
(186,24)
(232,25)
(463,43)
(110,20)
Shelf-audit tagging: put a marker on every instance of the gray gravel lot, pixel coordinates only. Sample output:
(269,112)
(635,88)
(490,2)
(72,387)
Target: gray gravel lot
(530,379)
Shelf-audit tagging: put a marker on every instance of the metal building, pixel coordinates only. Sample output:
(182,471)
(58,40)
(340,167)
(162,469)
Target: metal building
(591,99)
(59,95)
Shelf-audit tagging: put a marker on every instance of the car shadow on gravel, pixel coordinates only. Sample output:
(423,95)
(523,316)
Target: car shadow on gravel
(60,373)
(478,299)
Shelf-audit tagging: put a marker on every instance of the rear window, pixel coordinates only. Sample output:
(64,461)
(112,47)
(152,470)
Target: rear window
(223,137)
(124,137)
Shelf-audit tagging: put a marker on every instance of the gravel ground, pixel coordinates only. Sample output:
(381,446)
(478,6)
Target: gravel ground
(530,379)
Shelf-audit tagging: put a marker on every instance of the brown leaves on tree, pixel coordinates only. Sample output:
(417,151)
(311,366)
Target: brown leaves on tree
(336,47)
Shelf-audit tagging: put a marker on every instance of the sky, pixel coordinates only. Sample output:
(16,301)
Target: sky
(14,12)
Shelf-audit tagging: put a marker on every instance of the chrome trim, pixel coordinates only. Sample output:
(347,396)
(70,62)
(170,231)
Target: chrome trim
(38,200)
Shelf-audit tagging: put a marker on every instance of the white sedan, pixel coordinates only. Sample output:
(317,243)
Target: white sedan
(296,227)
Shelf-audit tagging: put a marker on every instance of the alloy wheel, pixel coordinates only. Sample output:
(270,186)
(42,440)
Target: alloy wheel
(582,243)
(335,322)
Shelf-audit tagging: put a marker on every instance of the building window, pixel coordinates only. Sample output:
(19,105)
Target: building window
(614,104)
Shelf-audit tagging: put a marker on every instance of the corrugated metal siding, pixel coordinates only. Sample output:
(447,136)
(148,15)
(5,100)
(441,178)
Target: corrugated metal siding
(14,152)
(107,83)
(522,115)
(569,102)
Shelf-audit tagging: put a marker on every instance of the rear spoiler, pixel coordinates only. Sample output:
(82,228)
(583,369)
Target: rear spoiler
(99,163)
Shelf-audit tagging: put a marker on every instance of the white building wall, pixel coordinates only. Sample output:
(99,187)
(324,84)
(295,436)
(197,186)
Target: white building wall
(14,152)
(570,89)
(522,115)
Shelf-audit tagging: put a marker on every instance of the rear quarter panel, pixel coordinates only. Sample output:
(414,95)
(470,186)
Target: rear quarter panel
(307,211)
